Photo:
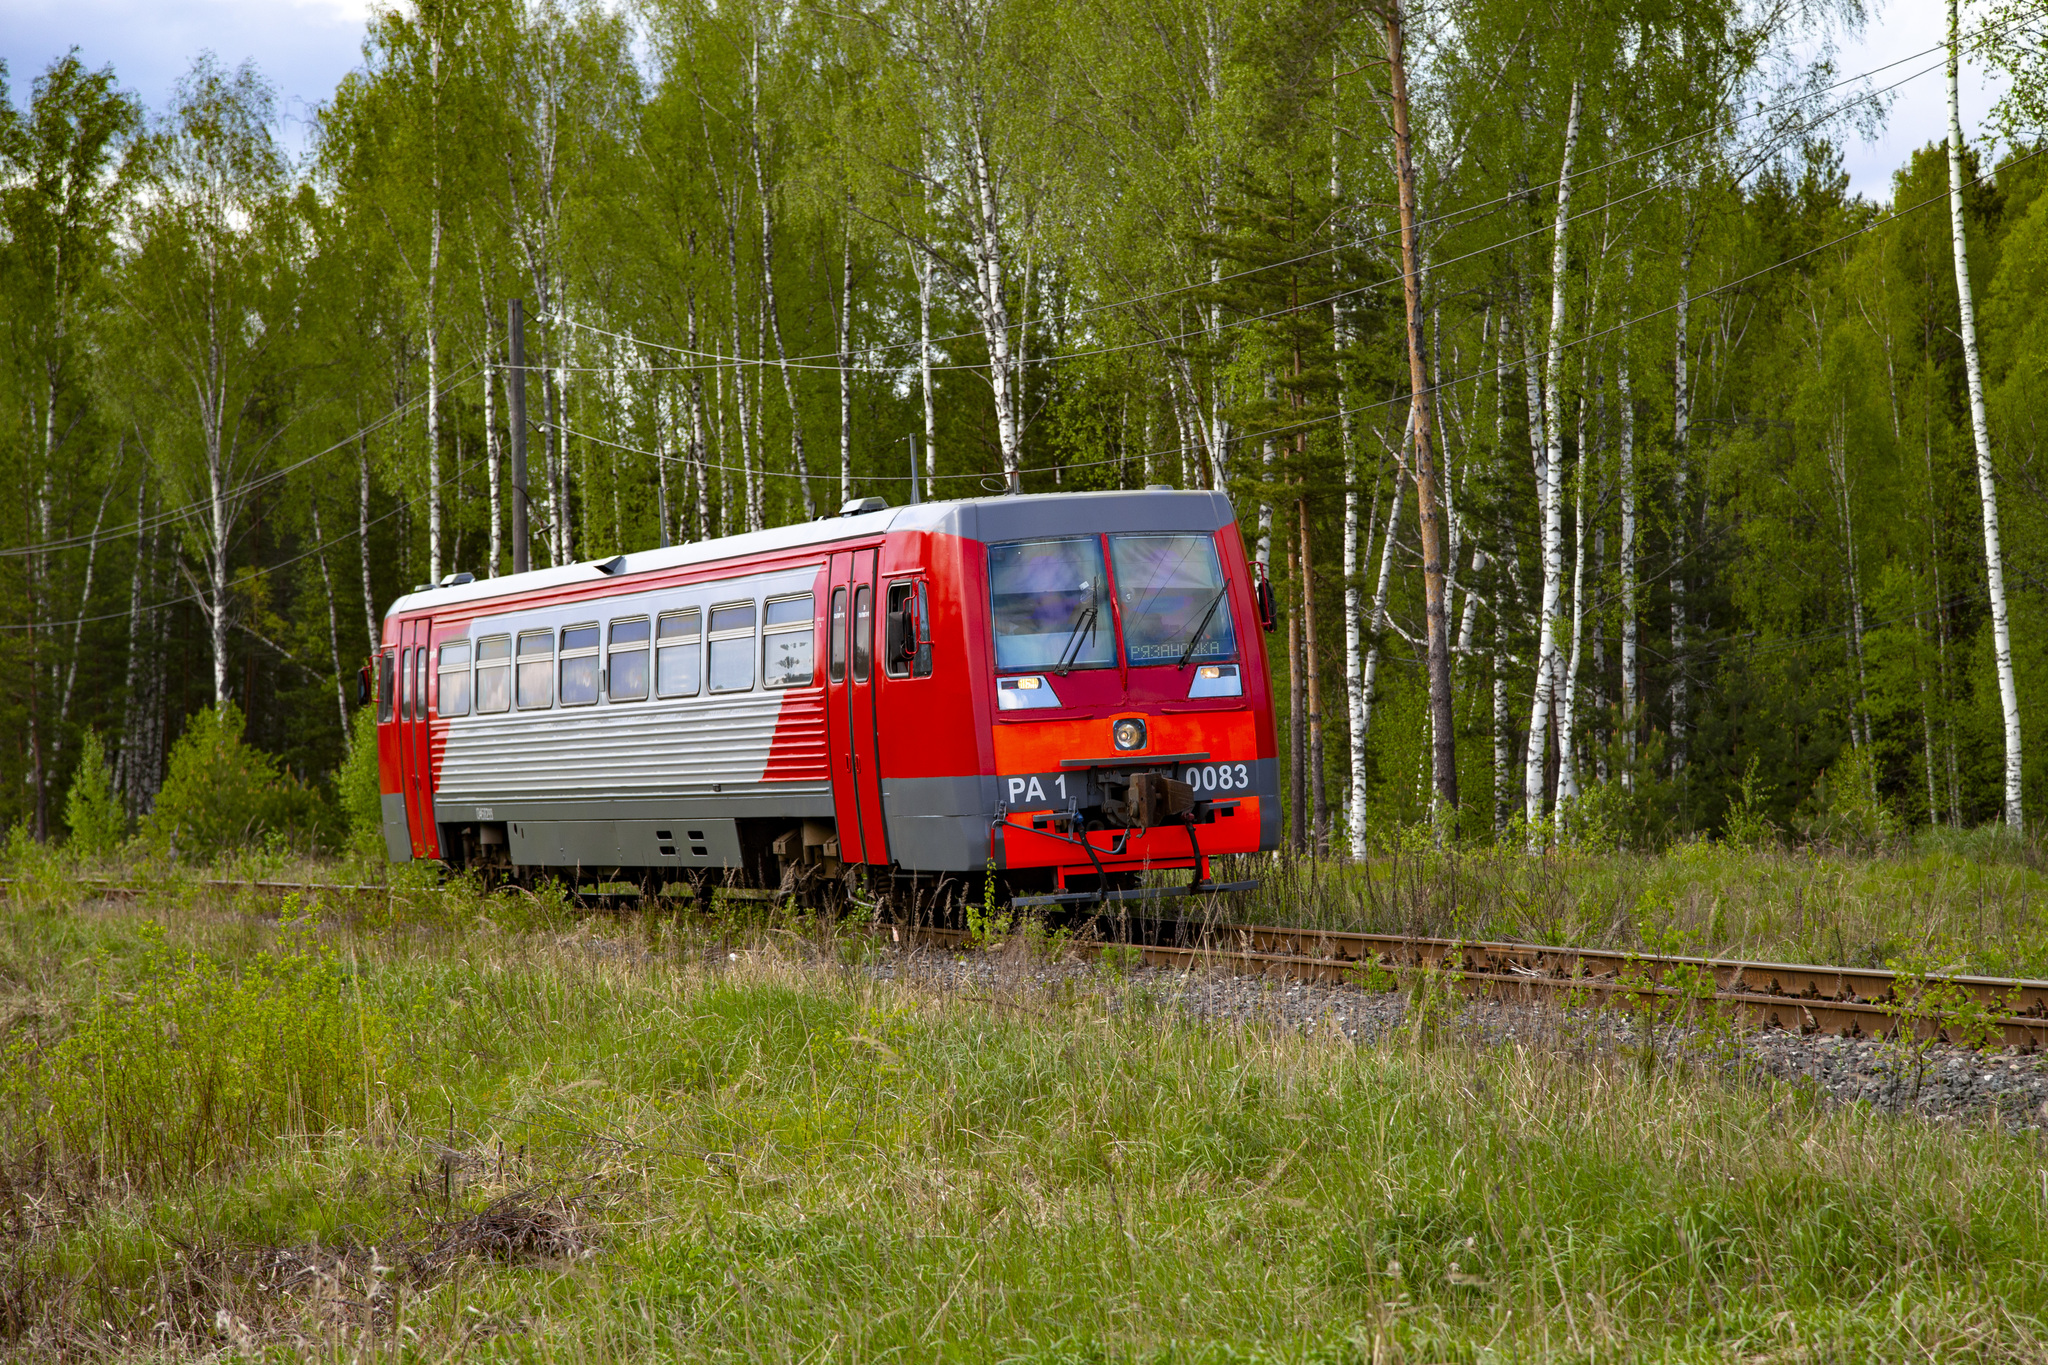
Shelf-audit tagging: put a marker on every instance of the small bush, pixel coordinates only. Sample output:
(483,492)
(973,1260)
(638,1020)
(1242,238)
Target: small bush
(199,1062)
(97,823)
(356,790)
(222,793)
(1847,811)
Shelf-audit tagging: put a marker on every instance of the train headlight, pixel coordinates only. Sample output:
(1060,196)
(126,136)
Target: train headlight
(1217,680)
(1129,734)
(1028,693)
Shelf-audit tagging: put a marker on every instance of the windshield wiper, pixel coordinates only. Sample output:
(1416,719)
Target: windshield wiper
(1070,652)
(1202,625)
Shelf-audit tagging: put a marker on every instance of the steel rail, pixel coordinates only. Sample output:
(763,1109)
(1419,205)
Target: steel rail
(1856,1001)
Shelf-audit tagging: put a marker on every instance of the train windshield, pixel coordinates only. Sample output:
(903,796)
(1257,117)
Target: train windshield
(1050,600)
(1170,590)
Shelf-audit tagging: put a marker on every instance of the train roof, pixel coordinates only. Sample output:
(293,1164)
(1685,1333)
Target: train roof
(1003,517)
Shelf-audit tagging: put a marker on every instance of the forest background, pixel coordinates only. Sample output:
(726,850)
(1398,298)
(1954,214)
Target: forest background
(1703,431)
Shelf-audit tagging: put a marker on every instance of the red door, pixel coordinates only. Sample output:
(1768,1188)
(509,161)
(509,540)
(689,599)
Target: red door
(850,708)
(415,748)
(838,734)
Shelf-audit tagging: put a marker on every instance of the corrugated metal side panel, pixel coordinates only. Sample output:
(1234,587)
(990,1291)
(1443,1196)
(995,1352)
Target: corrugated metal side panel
(798,753)
(619,752)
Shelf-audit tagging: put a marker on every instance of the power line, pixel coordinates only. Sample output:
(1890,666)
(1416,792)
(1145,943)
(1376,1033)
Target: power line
(159,519)
(466,467)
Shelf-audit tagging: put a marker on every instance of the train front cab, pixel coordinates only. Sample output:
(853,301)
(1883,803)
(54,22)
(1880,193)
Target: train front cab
(1116,718)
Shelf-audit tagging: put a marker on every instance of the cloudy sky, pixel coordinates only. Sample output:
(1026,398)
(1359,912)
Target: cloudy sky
(304,46)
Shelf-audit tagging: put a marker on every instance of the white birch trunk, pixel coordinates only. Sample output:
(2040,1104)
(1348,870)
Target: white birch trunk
(127,756)
(796,422)
(1567,713)
(363,536)
(1980,431)
(991,306)
(1681,431)
(493,450)
(333,622)
(434,394)
(1625,393)
(846,366)
(1549,469)
(924,373)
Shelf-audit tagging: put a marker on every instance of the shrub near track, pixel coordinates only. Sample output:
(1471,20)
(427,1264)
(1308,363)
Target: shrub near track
(780,1158)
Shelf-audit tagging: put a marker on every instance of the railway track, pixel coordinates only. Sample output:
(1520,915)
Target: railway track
(1854,1001)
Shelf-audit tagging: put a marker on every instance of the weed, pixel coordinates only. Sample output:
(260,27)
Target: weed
(1121,959)
(1748,826)
(1372,975)
(987,923)
(1434,1001)
(194,1060)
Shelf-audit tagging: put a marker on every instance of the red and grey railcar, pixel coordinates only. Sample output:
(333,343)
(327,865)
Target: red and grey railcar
(1069,687)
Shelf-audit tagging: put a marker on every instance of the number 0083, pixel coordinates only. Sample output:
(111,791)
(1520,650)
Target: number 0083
(1218,777)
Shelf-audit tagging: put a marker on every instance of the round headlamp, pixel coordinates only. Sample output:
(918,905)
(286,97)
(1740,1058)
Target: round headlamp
(1129,734)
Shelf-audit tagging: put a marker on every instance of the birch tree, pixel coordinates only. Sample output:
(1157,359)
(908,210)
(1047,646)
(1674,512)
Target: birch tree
(210,294)
(1980,434)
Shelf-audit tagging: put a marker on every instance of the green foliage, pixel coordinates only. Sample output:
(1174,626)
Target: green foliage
(356,789)
(1747,825)
(222,793)
(91,811)
(987,923)
(1846,808)
(192,1061)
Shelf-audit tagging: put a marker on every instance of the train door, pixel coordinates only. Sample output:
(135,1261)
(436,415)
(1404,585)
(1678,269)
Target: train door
(415,747)
(850,708)
(838,733)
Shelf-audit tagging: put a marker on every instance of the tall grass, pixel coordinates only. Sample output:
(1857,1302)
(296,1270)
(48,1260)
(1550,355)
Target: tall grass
(779,1157)
(1976,902)
(188,1061)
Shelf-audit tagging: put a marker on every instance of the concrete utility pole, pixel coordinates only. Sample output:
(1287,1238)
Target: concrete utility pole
(515,352)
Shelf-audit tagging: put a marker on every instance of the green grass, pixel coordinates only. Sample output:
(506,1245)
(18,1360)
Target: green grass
(1974,901)
(768,1155)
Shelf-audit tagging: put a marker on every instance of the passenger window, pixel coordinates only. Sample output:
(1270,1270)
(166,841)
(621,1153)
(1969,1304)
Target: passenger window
(579,666)
(788,642)
(405,684)
(536,669)
(626,667)
(387,687)
(732,647)
(494,674)
(453,699)
(838,646)
(863,631)
(677,662)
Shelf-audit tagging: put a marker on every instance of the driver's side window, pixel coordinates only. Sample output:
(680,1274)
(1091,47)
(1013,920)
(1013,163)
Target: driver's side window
(909,631)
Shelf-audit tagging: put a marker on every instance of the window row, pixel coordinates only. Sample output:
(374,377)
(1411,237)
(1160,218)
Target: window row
(666,654)
(669,655)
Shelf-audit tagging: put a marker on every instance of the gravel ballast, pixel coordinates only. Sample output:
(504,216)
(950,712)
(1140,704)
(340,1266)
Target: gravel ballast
(1937,1081)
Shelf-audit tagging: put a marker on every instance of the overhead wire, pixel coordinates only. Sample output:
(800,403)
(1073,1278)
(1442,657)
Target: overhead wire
(170,516)
(465,467)
(1288,429)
